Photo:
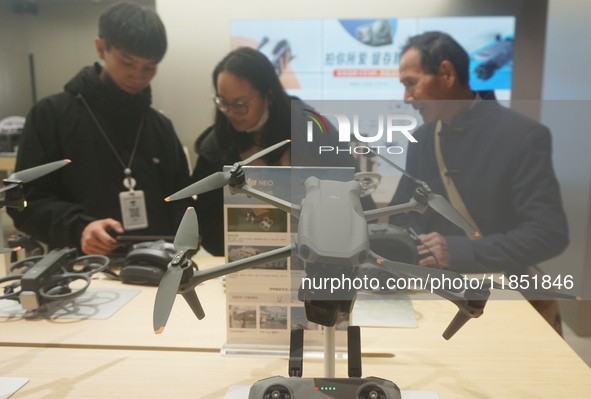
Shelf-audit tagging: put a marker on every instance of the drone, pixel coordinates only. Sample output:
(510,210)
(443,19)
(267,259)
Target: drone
(57,276)
(13,184)
(493,57)
(328,209)
(37,280)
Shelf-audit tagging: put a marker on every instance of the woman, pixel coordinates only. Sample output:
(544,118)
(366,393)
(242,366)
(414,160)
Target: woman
(253,112)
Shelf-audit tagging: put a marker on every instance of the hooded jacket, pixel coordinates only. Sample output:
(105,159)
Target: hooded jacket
(61,204)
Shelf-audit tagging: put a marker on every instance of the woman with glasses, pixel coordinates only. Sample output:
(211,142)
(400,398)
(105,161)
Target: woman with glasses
(253,111)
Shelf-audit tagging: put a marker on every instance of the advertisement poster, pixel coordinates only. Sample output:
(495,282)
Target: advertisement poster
(357,59)
(262,302)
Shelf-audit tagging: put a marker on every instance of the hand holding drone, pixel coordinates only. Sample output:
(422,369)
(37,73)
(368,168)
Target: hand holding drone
(332,240)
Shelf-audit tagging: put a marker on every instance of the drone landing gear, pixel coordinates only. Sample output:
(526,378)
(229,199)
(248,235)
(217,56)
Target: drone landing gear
(296,387)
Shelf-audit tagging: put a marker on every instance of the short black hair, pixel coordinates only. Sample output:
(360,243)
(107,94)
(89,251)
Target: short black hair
(435,47)
(135,29)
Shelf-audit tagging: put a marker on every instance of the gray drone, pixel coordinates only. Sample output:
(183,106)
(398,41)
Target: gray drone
(332,239)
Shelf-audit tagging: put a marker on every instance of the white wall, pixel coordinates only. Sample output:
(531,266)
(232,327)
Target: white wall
(15,84)
(567,102)
(61,38)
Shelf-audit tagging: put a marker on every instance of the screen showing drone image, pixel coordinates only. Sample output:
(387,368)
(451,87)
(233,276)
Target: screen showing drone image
(257,220)
(358,58)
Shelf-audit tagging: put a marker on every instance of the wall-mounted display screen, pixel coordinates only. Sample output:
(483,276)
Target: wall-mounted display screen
(357,59)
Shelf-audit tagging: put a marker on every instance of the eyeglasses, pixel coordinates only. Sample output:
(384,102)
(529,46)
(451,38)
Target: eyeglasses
(238,107)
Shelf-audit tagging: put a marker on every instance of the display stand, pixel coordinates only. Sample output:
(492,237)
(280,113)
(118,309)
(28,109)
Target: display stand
(262,306)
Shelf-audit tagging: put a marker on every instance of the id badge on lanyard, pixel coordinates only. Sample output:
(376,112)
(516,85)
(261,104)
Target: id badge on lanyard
(133,202)
(133,210)
(133,207)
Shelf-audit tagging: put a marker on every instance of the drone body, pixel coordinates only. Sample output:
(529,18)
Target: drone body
(330,207)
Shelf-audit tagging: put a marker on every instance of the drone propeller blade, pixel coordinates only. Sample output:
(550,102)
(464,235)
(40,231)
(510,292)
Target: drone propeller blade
(185,241)
(193,301)
(264,152)
(209,183)
(470,307)
(437,202)
(220,179)
(398,168)
(187,234)
(165,296)
(28,175)
(454,326)
(445,209)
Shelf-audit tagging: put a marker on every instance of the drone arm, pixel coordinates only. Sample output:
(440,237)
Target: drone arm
(412,205)
(236,266)
(187,290)
(269,199)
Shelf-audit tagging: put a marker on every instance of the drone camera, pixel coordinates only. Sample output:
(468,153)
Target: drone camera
(326,313)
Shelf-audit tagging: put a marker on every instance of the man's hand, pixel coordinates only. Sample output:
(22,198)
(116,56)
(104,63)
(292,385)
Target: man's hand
(434,252)
(97,236)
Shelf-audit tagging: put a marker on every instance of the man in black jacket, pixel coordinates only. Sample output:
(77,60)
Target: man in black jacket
(126,157)
(499,161)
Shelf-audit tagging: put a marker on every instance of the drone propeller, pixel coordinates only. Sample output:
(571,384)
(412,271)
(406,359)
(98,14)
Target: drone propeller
(436,201)
(425,274)
(220,179)
(186,243)
(470,301)
(14,199)
(27,175)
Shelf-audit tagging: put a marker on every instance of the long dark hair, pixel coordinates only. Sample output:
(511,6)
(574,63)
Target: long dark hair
(251,65)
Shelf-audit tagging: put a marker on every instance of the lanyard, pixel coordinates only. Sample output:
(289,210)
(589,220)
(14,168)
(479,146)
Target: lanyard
(126,169)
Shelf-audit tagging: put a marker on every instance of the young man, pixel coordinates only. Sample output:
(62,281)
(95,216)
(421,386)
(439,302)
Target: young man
(499,161)
(126,157)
